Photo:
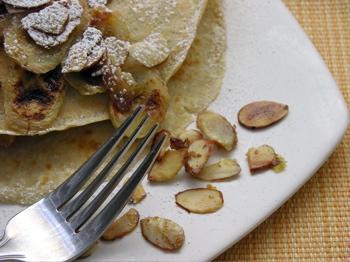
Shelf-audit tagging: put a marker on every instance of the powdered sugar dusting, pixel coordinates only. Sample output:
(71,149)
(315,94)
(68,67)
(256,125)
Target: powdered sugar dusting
(51,20)
(152,51)
(151,10)
(74,11)
(26,3)
(97,3)
(86,52)
(117,50)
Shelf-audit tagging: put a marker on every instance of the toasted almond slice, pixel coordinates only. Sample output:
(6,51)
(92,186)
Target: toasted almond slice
(191,135)
(200,200)
(221,170)
(262,157)
(122,226)
(176,143)
(162,233)
(152,51)
(26,3)
(138,195)
(6,140)
(198,155)
(168,166)
(217,128)
(261,114)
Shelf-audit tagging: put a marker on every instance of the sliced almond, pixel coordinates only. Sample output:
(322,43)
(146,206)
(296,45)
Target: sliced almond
(225,168)
(26,3)
(217,128)
(262,157)
(198,155)
(261,114)
(168,166)
(152,51)
(162,233)
(200,200)
(138,195)
(6,140)
(122,226)
(85,53)
(191,135)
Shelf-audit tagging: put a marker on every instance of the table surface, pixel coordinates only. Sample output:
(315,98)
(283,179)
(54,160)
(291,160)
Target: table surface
(314,224)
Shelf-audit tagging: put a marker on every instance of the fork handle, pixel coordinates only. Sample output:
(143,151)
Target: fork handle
(7,251)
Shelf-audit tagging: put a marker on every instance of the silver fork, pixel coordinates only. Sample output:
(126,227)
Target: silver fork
(66,223)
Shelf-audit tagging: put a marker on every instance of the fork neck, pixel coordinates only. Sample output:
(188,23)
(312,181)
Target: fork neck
(8,251)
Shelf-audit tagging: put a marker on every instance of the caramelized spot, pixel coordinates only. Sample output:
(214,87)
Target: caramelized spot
(154,101)
(52,79)
(122,101)
(93,145)
(34,163)
(88,131)
(48,166)
(176,143)
(28,96)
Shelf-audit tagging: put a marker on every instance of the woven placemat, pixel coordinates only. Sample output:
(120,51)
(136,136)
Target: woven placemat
(314,225)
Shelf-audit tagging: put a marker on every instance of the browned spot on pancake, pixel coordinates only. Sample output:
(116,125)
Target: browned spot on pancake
(93,145)
(88,132)
(34,163)
(48,166)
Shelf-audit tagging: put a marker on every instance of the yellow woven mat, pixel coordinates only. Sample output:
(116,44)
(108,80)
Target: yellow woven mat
(315,224)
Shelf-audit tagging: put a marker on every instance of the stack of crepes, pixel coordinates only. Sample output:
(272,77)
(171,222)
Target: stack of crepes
(68,79)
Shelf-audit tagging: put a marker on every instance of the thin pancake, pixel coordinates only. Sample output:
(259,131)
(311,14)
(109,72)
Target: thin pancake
(198,81)
(31,167)
(175,20)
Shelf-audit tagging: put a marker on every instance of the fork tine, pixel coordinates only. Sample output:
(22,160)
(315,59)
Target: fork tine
(90,209)
(71,207)
(72,185)
(98,224)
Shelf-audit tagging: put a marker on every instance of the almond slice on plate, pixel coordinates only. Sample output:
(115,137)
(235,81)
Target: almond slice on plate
(198,155)
(261,114)
(225,168)
(152,51)
(168,166)
(191,135)
(200,200)
(162,233)
(262,157)
(138,195)
(122,226)
(217,128)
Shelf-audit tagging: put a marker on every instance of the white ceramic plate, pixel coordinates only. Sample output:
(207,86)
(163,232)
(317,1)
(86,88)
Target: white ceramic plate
(268,57)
